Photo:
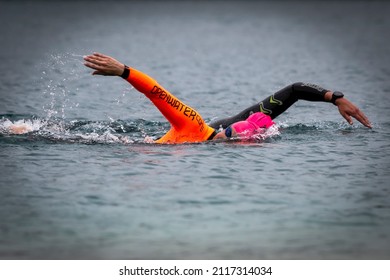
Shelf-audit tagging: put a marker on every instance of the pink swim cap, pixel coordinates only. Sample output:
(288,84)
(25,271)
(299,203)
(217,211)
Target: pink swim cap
(261,120)
(254,124)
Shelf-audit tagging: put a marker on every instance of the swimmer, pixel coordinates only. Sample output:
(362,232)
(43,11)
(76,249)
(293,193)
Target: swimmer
(187,125)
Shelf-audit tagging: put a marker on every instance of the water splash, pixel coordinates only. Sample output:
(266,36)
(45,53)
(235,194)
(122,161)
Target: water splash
(271,132)
(61,74)
(83,132)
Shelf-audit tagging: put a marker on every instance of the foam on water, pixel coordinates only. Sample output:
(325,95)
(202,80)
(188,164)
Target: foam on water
(60,131)
(98,132)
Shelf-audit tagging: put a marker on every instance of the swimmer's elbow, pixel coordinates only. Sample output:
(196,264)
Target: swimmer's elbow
(297,84)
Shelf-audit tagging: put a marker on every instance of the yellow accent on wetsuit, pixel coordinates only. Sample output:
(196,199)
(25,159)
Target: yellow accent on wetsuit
(186,123)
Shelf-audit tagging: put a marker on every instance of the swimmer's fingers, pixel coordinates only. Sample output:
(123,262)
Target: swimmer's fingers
(349,110)
(100,70)
(100,55)
(93,59)
(99,59)
(361,117)
(94,64)
(104,65)
(347,117)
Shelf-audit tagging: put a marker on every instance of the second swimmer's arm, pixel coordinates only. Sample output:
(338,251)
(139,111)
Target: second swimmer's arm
(279,102)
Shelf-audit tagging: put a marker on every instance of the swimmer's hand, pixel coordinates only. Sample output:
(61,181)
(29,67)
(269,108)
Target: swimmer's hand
(348,110)
(104,65)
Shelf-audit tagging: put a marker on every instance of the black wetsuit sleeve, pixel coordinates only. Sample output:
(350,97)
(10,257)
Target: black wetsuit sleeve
(277,103)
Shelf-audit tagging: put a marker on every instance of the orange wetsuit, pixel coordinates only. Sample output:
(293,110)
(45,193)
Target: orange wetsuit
(186,123)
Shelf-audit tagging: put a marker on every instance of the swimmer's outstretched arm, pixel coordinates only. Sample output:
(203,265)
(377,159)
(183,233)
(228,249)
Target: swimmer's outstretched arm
(187,124)
(279,102)
(108,66)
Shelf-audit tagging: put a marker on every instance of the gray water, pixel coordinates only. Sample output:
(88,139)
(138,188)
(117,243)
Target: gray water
(83,184)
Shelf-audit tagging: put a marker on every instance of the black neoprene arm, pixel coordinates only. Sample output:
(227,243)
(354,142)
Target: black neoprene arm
(277,103)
